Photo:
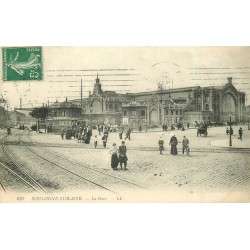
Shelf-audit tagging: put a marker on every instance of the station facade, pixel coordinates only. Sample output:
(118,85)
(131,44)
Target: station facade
(155,108)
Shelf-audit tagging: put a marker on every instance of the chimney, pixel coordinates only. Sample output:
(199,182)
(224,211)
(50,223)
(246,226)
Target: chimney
(229,80)
(66,99)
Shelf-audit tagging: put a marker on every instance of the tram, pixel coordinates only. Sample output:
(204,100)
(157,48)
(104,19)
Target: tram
(56,125)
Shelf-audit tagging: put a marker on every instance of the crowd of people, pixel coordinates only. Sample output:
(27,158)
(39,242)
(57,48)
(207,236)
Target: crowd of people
(119,154)
(83,135)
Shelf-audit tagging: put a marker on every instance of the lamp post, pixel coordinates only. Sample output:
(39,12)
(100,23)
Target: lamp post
(230,133)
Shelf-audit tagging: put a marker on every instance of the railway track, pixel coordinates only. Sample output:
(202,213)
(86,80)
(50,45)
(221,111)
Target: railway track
(90,171)
(2,185)
(206,150)
(19,172)
(61,167)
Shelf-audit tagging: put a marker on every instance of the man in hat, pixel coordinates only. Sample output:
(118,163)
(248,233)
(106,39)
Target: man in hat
(185,145)
(123,155)
(161,144)
(240,133)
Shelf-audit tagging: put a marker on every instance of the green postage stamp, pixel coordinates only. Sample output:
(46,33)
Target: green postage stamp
(22,64)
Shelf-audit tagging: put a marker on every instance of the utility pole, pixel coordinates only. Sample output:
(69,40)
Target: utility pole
(81,95)
(20,102)
(230,133)
(7,115)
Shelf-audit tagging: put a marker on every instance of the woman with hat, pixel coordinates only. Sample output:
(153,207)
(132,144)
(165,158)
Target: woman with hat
(114,158)
(173,142)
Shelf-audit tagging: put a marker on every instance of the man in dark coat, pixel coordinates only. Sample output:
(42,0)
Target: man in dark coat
(62,133)
(128,134)
(185,145)
(240,134)
(123,155)
(173,142)
(161,145)
(120,133)
(104,140)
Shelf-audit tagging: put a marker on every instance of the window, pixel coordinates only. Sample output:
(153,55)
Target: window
(116,107)
(63,113)
(111,106)
(133,112)
(125,113)
(107,106)
(166,112)
(207,107)
(142,112)
(176,112)
(206,98)
(172,112)
(198,107)
(198,98)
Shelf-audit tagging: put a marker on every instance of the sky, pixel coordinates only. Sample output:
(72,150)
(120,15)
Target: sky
(128,70)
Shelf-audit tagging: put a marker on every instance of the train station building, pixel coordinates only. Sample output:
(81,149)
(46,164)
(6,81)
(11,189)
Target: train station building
(155,108)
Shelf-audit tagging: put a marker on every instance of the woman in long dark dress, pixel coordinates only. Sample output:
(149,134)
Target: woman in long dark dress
(114,157)
(173,142)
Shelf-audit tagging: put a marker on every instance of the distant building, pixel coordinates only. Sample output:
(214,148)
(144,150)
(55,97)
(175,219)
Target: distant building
(207,104)
(16,118)
(21,117)
(63,114)
(103,107)
(3,117)
(135,115)
(153,108)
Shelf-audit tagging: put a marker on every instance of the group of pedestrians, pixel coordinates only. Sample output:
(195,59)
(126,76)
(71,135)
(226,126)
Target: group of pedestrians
(240,131)
(127,133)
(173,143)
(81,134)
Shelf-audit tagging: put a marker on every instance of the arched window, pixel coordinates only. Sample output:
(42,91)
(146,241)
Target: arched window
(206,98)
(198,98)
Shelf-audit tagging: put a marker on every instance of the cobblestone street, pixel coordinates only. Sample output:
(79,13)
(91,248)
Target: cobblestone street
(207,176)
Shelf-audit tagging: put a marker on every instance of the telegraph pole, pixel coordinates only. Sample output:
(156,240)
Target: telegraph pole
(81,95)
(230,133)
(7,115)
(21,103)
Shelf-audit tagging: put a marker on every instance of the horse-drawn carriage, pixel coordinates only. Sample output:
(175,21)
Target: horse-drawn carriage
(202,130)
